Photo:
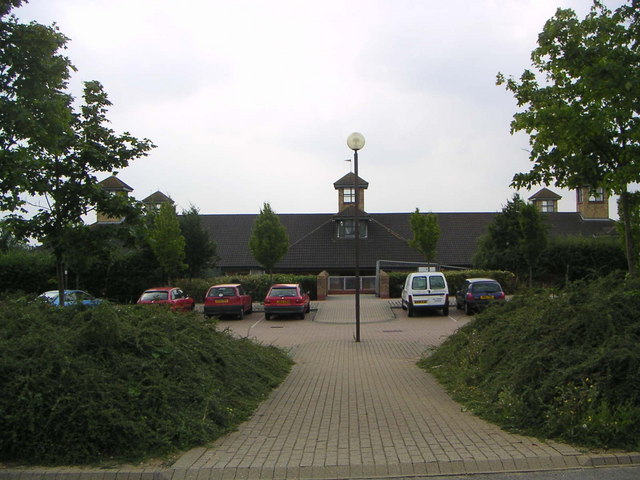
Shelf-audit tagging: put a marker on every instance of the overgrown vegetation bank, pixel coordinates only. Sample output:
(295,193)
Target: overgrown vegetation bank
(122,382)
(565,367)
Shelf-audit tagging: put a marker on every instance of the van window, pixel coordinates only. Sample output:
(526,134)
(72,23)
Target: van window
(437,283)
(419,283)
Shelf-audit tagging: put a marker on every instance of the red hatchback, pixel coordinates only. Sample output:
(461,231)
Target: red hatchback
(171,296)
(227,299)
(286,299)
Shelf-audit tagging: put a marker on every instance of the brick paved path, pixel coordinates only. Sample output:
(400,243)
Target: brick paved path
(364,409)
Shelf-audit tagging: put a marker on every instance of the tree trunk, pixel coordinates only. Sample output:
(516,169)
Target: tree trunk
(60,275)
(629,242)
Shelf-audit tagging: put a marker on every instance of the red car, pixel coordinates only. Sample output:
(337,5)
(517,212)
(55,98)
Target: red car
(227,299)
(171,296)
(286,299)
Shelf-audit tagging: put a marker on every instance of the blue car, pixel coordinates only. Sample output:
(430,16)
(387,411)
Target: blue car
(71,297)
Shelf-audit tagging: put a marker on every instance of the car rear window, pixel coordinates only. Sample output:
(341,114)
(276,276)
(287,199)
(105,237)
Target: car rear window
(419,283)
(154,296)
(486,287)
(222,292)
(436,282)
(283,292)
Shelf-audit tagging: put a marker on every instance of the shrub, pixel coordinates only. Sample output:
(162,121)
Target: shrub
(455,278)
(84,385)
(566,367)
(255,285)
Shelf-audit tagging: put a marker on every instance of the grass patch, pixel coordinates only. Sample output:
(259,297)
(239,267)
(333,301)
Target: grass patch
(564,367)
(89,385)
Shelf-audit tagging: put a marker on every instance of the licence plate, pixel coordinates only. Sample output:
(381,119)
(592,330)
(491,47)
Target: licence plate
(486,297)
(282,302)
(421,302)
(222,301)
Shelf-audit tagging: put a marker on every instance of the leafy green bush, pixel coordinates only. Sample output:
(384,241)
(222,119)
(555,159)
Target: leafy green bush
(455,278)
(84,385)
(27,270)
(564,367)
(256,285)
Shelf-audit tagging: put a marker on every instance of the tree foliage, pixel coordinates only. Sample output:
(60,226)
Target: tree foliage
(515,239)
(167,242)
(50,153)
(269,241)
(200,250)
(583,118)
(426,232)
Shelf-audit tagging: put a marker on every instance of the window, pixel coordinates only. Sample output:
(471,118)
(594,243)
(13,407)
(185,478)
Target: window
(419,283)
(347,229)
(436,282)
(596,195)
(349,195)
(547,206)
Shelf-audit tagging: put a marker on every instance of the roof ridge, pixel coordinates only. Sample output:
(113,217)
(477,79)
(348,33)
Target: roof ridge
(392,232)
(310,233)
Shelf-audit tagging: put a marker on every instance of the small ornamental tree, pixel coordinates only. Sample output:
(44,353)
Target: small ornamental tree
(269,241)
(583,118)
(426,232)
(167,242)
(200,250)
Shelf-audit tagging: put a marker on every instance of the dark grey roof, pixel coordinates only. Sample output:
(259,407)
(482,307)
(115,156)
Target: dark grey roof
(349,181)
(545,194)
(314,246)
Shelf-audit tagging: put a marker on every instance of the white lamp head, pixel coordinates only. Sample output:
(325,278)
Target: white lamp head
(355,141)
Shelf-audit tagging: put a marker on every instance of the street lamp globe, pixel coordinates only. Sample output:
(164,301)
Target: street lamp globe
(355,141)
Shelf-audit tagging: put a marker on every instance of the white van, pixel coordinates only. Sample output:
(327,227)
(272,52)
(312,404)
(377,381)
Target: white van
(425,290)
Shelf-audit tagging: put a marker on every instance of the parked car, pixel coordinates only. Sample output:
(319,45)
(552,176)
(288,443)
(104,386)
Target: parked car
(476,293)
(425,291)
(227,299)
(171,296)
(286,299)
(71,297)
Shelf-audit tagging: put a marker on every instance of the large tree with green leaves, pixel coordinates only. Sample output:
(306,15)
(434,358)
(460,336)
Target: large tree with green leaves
(426,232)
(515,239)
(269,241)
(583,116)
(49,152)
(200,250)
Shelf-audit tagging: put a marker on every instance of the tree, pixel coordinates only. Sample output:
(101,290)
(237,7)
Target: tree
(269,241)
(583,121)
(167,242)
(533,240)
(200,250)
(515,239)
(50,152)
(426,232)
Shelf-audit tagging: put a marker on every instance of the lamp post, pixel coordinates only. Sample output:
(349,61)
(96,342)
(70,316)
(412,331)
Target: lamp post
(355,142)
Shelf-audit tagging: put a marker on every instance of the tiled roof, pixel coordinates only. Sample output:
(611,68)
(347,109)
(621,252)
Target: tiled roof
(157,197)
(545,194)
(314,246)
(349,181)
(114,183)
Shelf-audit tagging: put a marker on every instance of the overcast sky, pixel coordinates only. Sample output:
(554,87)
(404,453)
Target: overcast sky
(252,101)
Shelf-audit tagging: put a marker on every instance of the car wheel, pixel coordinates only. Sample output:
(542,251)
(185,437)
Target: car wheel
(467,309)
(241,314)
(267,316)
(409,310)
(308,307)
(403,305)
(445,310)
(250,308)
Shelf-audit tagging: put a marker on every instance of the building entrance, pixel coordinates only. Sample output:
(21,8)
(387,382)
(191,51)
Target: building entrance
(347,284)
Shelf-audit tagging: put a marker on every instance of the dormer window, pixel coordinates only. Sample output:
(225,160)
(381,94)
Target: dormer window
(347,228)
(547,206)
(349,195)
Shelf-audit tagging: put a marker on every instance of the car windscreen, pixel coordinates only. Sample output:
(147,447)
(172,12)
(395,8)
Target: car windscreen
(283,292)
(154,296)
(222,292)
(486,287)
